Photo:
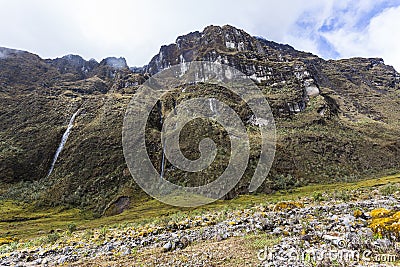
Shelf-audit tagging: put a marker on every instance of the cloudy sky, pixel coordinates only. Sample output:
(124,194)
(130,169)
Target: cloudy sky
(136,29)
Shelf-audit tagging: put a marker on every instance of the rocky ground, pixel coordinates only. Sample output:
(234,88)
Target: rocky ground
(321,230)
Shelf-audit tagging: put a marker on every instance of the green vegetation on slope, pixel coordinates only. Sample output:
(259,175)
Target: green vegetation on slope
(20,221)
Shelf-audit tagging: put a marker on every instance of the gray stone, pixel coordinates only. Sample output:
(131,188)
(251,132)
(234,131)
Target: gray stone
(125,250)
(167,246)
(109,247)
(62,260)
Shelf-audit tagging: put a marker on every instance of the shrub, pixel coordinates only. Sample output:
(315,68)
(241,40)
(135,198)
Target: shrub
(71,228)
(358,213)
(52,238)
(389,190)
(343,195)
(6,240)
(103,233)
(385,223)
(287,205)
(317,196)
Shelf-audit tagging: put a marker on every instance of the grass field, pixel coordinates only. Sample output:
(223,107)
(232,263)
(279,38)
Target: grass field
(23,221)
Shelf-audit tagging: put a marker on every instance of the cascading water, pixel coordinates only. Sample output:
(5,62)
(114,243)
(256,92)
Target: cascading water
(162,145)
(63,141)
(162,162)
(213,105)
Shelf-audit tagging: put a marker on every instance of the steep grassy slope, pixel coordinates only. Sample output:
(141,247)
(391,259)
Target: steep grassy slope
(336,120)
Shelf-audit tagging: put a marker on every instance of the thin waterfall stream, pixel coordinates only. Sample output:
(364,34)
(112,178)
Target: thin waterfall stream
(163,149)
(63,141)
(213,105)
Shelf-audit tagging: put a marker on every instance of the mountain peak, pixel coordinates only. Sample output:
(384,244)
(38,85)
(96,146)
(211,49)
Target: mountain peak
(114,62)
(223,44)
(5,52)
(195,46)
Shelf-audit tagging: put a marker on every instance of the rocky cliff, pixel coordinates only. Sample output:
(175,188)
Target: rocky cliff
(336,119)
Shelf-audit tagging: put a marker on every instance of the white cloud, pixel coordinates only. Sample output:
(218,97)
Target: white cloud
(378,39)
(137,29)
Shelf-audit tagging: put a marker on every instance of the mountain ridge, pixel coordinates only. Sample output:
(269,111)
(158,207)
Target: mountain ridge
(336,119)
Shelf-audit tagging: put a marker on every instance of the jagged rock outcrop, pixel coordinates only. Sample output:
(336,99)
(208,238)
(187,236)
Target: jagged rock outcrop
(291,76)
(75,65)
(268,63)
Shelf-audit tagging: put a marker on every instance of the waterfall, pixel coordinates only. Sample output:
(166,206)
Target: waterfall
(213,106)
(162,145)
(63,141)
(162,161)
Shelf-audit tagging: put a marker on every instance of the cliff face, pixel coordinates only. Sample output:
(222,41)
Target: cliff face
(292,76)
(336,119)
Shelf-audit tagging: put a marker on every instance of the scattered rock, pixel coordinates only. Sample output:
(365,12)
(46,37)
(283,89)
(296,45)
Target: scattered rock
(62,260)
(321,226)
(168,246)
